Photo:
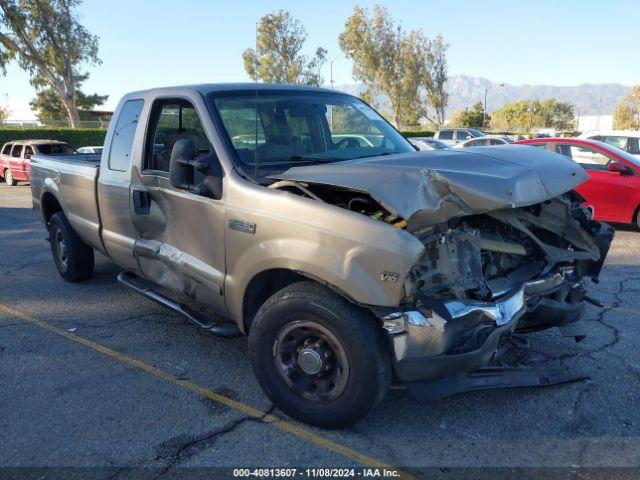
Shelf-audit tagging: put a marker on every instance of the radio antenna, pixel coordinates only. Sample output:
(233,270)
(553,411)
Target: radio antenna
(255,151)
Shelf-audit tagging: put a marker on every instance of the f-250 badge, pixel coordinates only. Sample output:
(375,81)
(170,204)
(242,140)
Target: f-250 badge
(242,226)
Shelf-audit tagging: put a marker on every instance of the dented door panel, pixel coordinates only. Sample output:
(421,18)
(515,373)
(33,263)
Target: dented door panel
(180,243)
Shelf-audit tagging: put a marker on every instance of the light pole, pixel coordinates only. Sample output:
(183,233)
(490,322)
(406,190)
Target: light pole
(484,109)
(348,52)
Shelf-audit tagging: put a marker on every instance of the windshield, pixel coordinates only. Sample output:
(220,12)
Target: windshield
(272,131)
(476,133)
(54,148)
(438,145)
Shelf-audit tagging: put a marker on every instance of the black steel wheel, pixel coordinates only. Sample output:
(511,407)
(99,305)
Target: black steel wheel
(319,358)
(73,258)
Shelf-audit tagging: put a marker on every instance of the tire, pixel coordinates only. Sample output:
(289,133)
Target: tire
(73,258)
(314,323)
(8,177)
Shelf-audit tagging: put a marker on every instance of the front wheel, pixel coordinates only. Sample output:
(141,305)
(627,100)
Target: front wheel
(319,358)
(74,258)
(8,177)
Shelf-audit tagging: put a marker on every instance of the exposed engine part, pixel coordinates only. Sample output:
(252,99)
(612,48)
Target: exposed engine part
(483,256)
(352,200)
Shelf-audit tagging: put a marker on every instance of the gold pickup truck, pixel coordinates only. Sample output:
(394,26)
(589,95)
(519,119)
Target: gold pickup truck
(303,219)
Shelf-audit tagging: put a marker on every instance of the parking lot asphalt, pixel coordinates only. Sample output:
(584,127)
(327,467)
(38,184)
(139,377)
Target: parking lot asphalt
(93,375)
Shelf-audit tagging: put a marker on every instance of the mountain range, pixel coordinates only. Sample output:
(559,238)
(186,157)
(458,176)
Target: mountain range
(464,91)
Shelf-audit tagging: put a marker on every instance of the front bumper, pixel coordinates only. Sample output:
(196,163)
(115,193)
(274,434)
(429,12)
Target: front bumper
(463,336)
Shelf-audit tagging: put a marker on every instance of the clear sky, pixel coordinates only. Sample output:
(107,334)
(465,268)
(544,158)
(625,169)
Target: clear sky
(146,43)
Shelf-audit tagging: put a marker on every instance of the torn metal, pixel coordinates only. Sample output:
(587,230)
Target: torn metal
(508,247)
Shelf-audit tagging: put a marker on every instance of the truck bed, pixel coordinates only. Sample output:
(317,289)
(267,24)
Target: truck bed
(71,180)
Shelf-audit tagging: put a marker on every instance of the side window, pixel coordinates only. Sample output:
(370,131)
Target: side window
(634,146)
(495,141)
(588,158)
(28,151)
(17,151)
(122,142)
(446,135)
(462,135)
(7,149)
(173,120)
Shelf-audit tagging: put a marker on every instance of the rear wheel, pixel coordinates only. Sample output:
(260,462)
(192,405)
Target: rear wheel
(319,358)
(8,177)
(637,218)
(74,258)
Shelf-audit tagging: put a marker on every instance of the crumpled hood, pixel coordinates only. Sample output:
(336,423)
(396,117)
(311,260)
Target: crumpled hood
(427,188)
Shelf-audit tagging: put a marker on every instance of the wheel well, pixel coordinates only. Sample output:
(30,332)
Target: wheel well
(50,205)
(635,215)
(262,286)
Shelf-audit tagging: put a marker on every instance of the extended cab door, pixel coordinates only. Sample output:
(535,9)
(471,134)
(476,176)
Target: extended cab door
(180,234)
(122,146)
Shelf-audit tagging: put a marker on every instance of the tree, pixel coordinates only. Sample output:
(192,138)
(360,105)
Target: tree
(278,56)
(526,114)
(469,118)
(399,65)
(437,96)
(48,42)
(626,115)
(4,114)
(48,106)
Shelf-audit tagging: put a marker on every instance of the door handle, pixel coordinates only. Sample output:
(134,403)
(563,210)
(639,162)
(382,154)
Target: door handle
(141,202)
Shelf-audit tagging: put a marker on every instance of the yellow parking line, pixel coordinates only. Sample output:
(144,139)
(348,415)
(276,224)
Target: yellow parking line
(204,392)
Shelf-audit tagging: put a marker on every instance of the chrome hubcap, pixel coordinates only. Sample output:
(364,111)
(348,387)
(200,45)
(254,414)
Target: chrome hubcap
(310,361)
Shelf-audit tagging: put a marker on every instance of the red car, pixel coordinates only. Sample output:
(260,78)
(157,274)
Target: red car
(613,191)
(15,157)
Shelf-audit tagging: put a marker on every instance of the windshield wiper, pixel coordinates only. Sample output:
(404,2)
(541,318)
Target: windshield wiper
(311,158)
(378,154)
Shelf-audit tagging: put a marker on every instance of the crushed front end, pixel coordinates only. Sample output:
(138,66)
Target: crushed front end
(483,277)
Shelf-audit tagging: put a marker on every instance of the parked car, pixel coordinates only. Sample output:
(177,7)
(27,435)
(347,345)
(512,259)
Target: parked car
(15,157)
(342,263)
(484,141)
(453,136)
(427,143)
(627,140)
(613,189)
(86,150)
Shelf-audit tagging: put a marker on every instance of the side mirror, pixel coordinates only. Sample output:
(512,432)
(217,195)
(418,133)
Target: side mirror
(620,168)
(27,156)
(202,176)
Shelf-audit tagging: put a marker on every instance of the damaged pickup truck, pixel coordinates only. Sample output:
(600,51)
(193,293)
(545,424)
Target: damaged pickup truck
(300,217)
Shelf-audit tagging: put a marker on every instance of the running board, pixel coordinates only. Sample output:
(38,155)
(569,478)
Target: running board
(491,378)
(143,287)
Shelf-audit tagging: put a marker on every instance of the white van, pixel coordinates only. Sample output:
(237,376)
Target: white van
(627,140)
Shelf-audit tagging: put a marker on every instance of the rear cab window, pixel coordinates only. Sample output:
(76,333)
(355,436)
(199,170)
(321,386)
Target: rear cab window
(123,135)
(445,135)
